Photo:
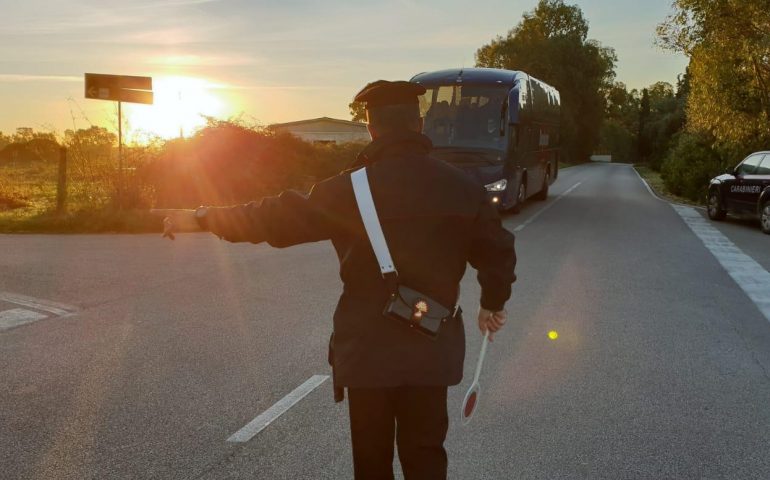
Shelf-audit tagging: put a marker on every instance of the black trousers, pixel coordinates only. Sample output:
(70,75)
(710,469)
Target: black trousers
(415,417)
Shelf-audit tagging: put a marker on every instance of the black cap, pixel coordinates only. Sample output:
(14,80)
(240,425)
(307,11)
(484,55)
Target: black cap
(383,92)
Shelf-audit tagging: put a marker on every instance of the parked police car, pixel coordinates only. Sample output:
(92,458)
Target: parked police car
(745,191)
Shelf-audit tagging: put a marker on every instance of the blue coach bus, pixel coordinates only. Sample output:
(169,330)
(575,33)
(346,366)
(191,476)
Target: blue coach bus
(500,126)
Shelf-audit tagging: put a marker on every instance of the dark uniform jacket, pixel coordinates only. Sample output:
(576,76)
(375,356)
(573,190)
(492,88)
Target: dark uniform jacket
(435,219)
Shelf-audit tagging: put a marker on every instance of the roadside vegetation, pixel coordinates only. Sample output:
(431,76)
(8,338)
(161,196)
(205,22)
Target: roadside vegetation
(224,163)
(655,180)
(679,135)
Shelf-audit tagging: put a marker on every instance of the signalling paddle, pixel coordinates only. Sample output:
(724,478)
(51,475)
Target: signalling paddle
(472,397)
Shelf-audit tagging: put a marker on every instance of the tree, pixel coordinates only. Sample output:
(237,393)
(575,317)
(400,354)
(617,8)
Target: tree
(622,105)
(551,44)
(229,161)
(644,115)
(90,145)
(27,145)
(357,111)
(4,140)
(90,137)
(729,75)
(662,116)
(621,123)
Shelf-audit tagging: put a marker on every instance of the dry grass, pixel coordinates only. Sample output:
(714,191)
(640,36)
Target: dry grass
(26,190)
(655,181)
(28,202)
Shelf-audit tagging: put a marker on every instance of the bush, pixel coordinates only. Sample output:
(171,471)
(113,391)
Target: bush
(689,165)
(228,163)
(225,163)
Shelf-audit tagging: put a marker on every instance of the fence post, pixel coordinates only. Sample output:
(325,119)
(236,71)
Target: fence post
(61,189)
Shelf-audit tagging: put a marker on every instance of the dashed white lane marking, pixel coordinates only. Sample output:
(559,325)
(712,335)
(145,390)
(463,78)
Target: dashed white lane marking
(58,309)
(543,210)
(16,317)
(747,273)
(264,419)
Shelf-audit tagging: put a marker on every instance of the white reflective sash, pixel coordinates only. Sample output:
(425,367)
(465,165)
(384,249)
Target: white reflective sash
(371,220)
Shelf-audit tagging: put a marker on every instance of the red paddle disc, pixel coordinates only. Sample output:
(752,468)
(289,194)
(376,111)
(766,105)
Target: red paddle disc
(470,405)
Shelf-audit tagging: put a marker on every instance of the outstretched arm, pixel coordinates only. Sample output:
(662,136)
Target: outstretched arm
(288,219)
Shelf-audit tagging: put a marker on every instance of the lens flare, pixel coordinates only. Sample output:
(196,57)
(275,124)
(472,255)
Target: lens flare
(553,334)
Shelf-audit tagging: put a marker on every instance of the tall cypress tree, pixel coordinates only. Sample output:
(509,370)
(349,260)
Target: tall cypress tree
(644,115)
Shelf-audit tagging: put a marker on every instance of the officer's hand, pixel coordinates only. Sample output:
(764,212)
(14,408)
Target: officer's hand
(492,321)
(177,220)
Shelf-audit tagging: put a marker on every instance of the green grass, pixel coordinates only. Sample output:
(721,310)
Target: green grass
(655,181)
(83,221)
(28,205)
(27,190)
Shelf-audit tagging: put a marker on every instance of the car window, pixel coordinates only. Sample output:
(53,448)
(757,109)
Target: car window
(764,167)
(749,166)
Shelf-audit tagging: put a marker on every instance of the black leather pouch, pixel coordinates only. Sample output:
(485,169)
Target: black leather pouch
(417,310)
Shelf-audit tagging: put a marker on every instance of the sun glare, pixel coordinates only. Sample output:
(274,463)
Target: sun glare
(178,108)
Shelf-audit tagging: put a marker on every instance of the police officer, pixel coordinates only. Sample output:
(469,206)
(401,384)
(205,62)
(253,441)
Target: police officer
(436,220)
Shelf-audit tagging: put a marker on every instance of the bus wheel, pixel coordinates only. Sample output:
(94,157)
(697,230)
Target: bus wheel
(521,196)
(543,193)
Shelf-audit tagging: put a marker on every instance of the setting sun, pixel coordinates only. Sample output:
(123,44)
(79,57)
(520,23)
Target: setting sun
(179,107)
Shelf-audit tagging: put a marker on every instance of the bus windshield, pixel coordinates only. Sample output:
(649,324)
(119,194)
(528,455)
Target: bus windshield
(464,116)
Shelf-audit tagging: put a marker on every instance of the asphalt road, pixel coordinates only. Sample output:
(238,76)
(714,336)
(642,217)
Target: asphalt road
(661,369)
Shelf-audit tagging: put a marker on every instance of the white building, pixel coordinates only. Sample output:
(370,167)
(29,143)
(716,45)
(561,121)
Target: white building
(325,130)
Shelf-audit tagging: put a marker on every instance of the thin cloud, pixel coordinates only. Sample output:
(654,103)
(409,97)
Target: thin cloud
(16,77)
(270,87)
(80,16)
(173,3)
(187,60)
(69,25)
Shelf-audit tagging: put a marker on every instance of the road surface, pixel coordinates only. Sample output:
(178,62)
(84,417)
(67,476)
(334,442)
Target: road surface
(138,357)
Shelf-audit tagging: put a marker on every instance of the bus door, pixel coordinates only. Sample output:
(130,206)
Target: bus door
(540,137)
(519,132)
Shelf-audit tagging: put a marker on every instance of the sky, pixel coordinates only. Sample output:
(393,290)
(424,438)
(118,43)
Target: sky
(266,60)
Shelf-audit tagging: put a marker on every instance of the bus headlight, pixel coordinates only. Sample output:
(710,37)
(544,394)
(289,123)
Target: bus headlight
(498,186)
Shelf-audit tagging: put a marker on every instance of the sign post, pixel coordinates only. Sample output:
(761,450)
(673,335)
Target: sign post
(119,88)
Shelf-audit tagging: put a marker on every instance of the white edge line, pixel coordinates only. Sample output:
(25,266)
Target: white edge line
(279,408)
(649,189)
(542,210)
(750,276)
(59,309)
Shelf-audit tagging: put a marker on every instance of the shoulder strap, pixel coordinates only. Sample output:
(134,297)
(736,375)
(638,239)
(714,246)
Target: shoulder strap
(371,220)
